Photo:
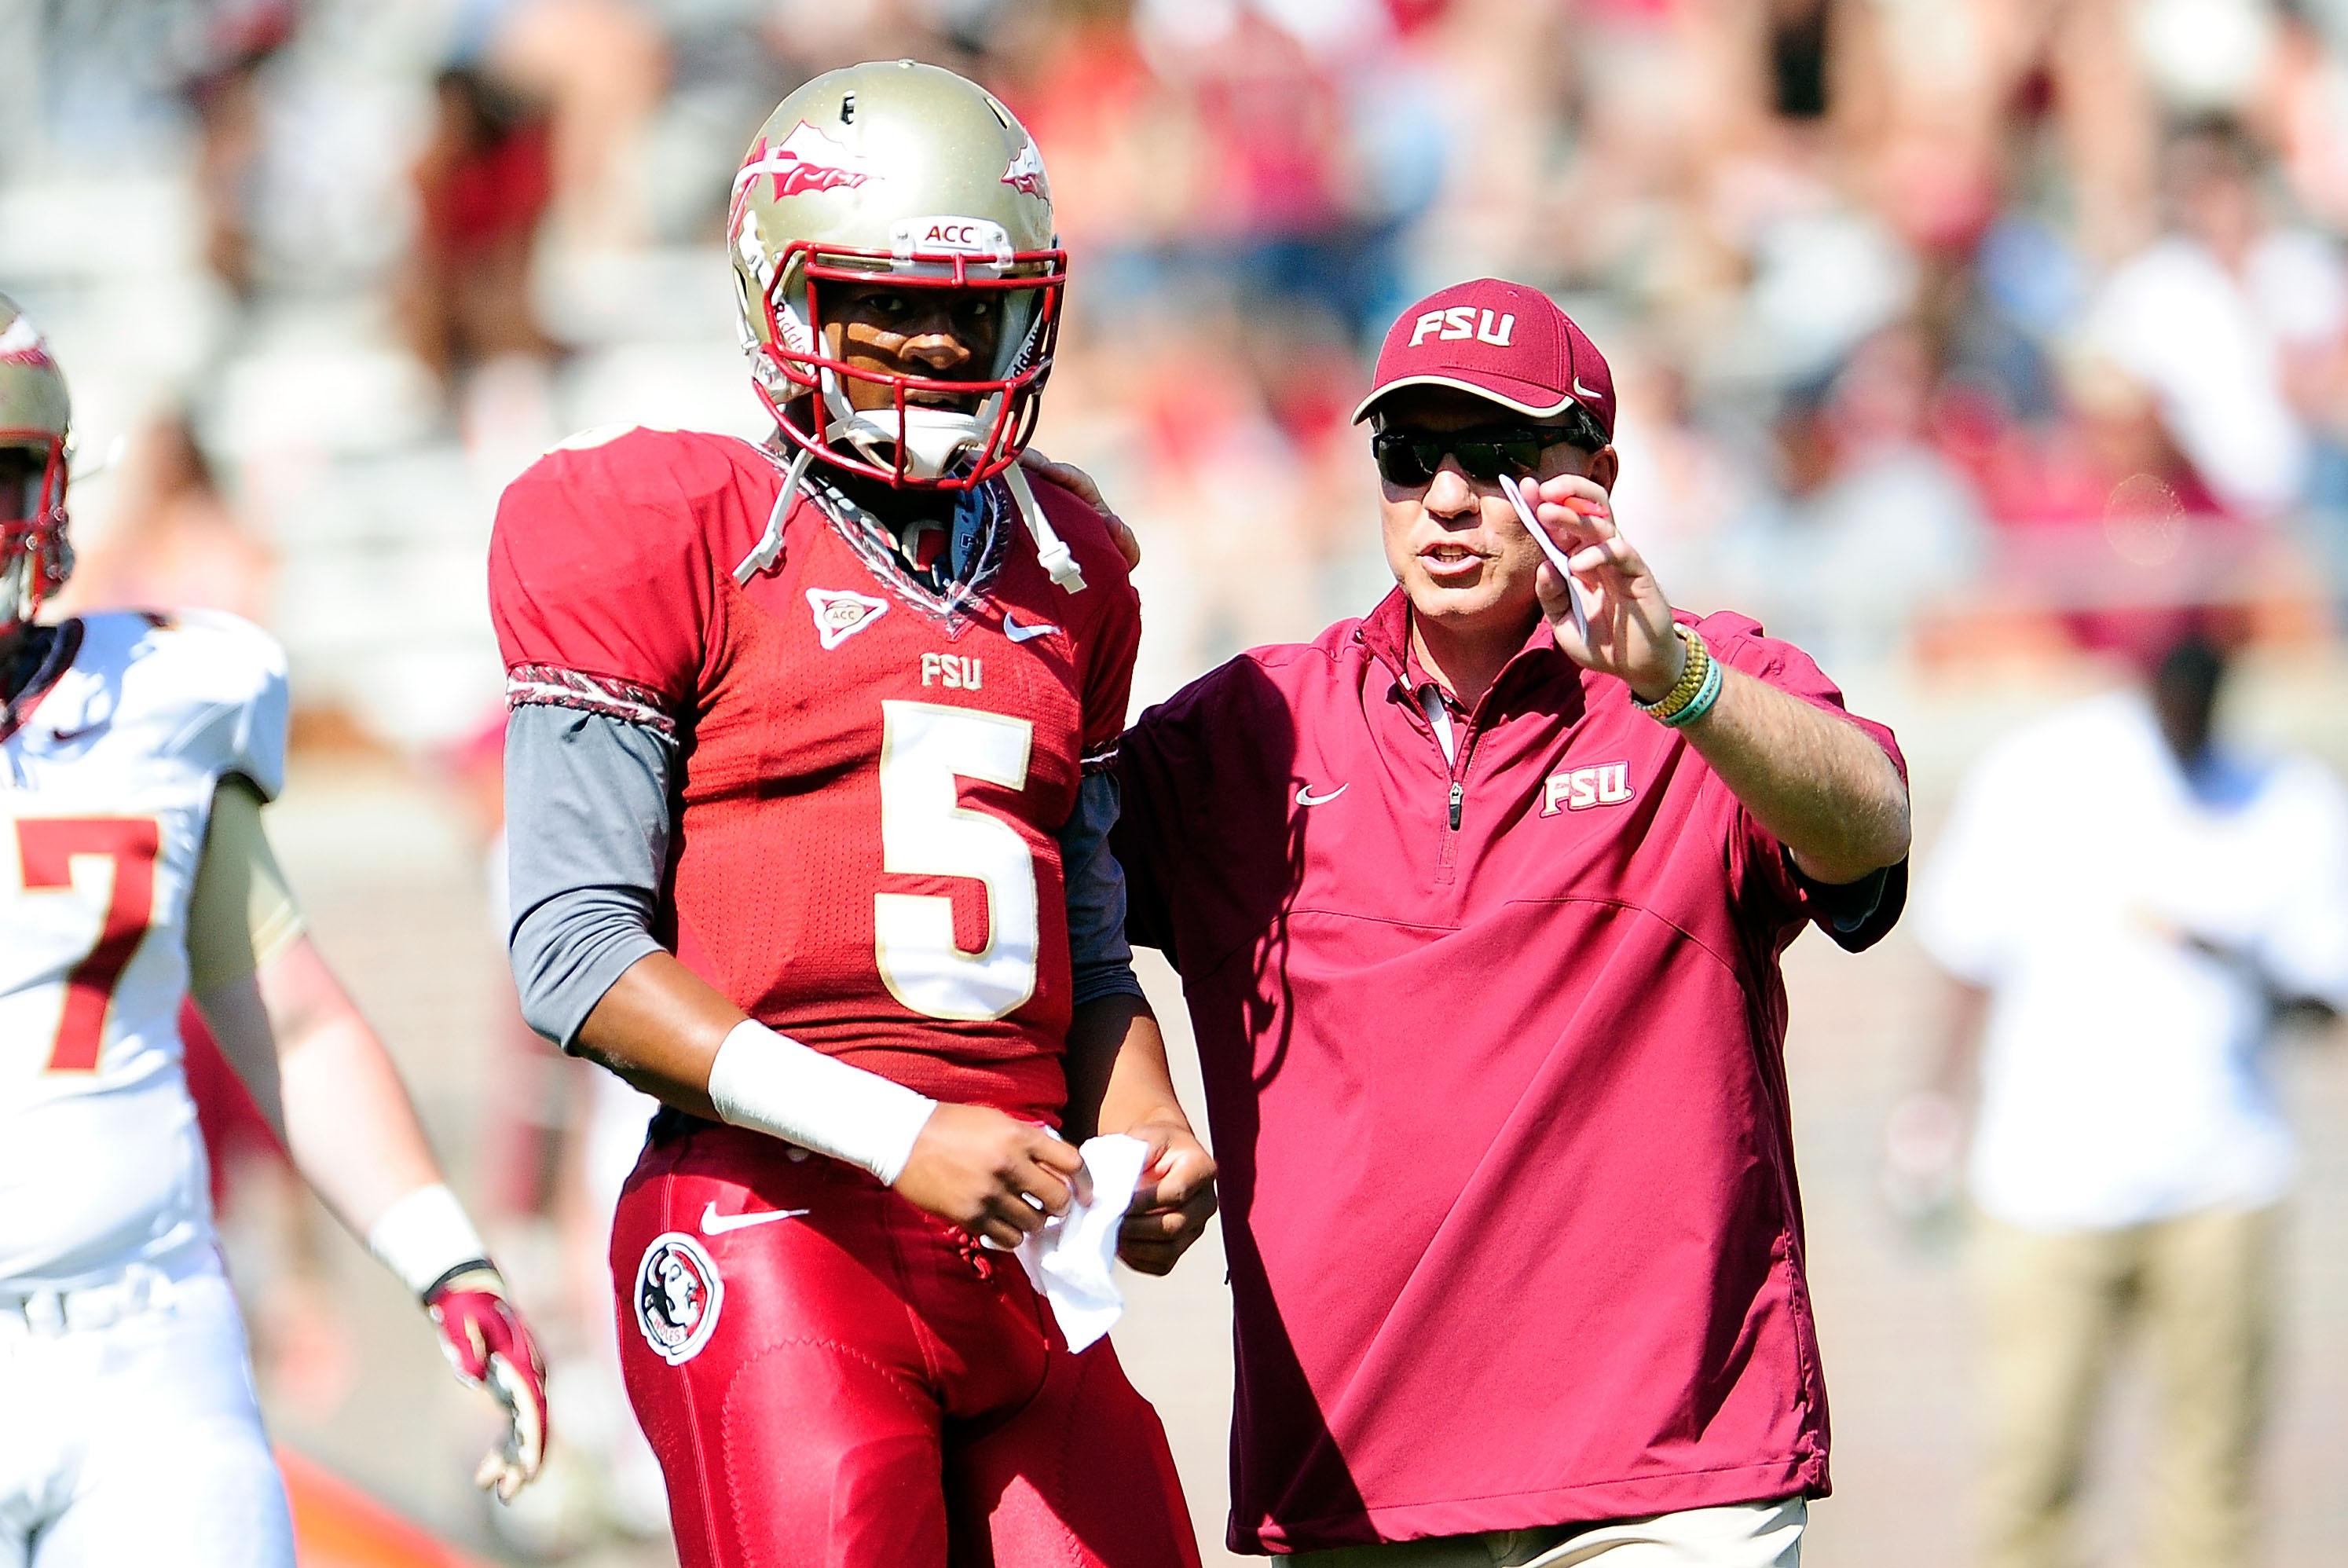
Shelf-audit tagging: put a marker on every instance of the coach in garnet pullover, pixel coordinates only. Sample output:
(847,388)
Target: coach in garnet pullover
(1478,917)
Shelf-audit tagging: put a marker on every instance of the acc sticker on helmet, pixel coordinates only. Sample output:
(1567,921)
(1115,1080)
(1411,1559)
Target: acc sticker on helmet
(677,1296)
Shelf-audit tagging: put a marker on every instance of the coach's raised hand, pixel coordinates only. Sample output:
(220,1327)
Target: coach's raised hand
(1630,617)
(988,1173)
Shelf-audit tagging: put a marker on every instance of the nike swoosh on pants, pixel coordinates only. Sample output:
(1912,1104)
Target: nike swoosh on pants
(713,1223)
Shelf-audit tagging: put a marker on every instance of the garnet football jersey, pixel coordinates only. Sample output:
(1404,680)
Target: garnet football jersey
(105,790)
(869,774)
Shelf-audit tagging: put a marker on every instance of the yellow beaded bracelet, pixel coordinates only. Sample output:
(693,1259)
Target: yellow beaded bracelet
(1684,690)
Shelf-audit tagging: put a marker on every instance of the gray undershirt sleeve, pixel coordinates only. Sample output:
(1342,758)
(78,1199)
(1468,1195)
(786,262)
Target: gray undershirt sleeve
(1098,956)
(587,824)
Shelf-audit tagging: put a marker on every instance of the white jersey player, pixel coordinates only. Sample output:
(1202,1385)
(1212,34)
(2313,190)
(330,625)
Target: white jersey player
(135,753)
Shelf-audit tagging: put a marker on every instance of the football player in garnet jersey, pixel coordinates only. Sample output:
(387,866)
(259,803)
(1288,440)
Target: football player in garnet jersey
(135,753)
(806,796)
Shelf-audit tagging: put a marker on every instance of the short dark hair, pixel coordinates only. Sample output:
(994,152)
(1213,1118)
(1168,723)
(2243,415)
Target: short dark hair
(1582,429)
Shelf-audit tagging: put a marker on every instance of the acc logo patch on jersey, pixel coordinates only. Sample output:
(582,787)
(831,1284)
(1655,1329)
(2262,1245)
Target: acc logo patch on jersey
(678,1293)
(840,615)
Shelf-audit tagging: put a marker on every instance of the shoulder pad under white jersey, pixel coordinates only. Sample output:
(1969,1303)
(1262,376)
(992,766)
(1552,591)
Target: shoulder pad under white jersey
(213,683)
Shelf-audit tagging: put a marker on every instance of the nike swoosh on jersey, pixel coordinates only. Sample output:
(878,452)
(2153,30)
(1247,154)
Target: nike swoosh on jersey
(1019,633)
(1306,797)
(713,1223)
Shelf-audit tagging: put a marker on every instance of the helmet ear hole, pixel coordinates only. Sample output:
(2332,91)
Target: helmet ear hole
(743,308)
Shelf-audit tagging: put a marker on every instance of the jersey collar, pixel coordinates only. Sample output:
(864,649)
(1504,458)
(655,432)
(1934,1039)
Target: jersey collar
(63,646)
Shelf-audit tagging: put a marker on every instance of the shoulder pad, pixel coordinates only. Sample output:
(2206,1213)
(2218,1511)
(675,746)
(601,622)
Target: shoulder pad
(214,681)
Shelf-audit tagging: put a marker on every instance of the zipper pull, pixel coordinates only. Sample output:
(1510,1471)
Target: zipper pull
(1459,793)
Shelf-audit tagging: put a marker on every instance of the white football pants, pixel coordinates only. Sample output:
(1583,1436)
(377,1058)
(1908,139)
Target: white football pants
(1741,1535)
(137,1440)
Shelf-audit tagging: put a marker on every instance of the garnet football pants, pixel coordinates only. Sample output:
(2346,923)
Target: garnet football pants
(832,1378)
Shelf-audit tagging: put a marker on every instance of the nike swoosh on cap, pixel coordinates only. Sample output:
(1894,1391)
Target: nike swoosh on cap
(713,1223)
(1019,633)
(1306,797)
(1582,391)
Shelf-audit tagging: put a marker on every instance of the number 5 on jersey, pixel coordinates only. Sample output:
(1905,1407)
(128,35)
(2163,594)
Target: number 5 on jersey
(47,847)
(926,830)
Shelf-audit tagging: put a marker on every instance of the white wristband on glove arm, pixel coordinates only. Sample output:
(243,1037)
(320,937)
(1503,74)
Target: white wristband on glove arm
(424,1235)
(773,1084)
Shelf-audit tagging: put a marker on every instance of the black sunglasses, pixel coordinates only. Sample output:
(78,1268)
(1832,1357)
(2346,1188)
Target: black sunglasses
(1411,456)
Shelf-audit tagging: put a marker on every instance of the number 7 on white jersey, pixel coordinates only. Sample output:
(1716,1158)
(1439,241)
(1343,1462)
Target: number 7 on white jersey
(47,847)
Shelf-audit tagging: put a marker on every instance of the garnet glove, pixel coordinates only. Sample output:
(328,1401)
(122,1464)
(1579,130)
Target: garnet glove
(485,1341)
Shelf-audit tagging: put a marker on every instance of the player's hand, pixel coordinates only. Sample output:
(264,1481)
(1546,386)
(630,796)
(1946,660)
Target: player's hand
(1175,1201)
(993,1175)
(1078,483)
(1630,632)
(485,1341)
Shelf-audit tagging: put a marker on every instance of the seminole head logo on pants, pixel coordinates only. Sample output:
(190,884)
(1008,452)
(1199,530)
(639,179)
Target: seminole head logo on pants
(677,1295)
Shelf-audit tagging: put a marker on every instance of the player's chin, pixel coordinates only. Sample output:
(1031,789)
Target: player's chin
(1456,596)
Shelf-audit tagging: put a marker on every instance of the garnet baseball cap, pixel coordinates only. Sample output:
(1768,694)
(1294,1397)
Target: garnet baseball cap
(1497,340)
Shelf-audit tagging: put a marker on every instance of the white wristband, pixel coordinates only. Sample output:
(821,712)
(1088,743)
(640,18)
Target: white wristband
(773,1084)
(424,1235)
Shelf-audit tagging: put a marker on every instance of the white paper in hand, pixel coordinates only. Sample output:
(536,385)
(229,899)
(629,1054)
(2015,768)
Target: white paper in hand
(1556,557)
(1071,1261)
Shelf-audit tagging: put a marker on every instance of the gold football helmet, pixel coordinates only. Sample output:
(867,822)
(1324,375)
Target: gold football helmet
(35,411)
(906,172)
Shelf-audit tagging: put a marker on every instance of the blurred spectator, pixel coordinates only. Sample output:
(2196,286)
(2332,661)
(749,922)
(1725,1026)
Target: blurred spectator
(482,183)
(173,542)
(599,67)
(1873,520)
(2217,315)
(226,97)
(2126,906)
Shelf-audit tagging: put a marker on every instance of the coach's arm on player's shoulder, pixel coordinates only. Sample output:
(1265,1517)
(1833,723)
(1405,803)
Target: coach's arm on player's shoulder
(1813,779)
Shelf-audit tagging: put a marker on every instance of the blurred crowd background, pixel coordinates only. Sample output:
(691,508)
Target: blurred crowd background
(1965,342)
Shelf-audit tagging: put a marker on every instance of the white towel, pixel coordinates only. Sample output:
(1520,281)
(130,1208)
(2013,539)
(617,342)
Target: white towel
(1070,1261)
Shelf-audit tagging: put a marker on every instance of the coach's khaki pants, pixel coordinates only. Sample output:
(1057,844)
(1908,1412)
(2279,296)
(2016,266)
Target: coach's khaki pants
(2053,1309)
(1746,1535)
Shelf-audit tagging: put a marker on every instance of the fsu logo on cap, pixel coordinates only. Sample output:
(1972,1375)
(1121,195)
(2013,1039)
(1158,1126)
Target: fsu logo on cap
(678,1293)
